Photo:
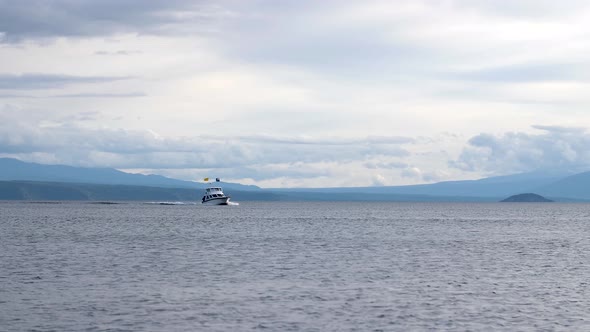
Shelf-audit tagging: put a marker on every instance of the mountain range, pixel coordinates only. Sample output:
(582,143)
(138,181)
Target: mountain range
(24,180)
(14,169)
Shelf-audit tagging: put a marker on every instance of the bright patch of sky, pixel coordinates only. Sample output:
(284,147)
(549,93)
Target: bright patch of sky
(298,93)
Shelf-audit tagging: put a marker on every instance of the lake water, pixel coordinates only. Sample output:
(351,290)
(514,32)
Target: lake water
(294,267)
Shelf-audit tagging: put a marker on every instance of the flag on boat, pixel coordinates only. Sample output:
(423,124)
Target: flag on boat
(206,179)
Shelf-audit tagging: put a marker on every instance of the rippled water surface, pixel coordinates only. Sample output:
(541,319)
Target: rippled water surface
(294,267)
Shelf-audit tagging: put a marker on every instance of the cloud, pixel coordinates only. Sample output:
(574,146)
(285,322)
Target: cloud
(16,96)
(561,129)
(528,73)
(556,148)
(396,37)
(388,165)
(263,159)
(101,95)
(329,90)
(144,149)
(412,172)
(322,37)
(528,9)
(35,19)
(49,81)
(38,19)
(327,141)
(119,52)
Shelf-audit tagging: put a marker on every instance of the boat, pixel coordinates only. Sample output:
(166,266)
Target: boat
(215,196)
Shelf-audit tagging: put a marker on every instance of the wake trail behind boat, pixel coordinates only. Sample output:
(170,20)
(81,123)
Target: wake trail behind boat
(170,203)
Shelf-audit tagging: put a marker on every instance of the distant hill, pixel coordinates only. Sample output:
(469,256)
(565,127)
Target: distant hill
(574,186)
(13,169)
(60,191)
(559,185)
(527,198)
(370,197)
(500,186)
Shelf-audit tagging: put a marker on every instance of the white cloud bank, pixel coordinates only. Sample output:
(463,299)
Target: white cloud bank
(553,149)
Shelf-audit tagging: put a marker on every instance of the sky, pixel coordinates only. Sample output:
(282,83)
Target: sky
(298,93)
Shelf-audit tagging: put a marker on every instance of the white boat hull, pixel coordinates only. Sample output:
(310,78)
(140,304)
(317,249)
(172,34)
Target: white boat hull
(217,201)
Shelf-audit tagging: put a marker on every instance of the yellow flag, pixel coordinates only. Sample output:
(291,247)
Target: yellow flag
(206,179)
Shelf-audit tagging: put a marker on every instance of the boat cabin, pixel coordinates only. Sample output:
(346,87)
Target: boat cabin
(215,196)
(211,191)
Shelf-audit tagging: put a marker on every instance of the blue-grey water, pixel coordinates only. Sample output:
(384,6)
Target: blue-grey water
(294,267)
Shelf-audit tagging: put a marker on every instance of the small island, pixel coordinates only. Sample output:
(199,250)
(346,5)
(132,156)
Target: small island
(528,197)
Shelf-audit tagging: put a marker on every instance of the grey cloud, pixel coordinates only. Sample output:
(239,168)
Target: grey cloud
(295,33)
(390,139)
(34,19)
(273,171)
(254,172)
(138,149)
(385,165)
(120,52)
(303,34)
(85,116)
(327,141)
(335,52)
(101,95)
(529,9)
(285,32)
(305,38)
(16,96)
(528,73)
(49,81)
(75,95)
(555,148)
(561,129)
(431,177)
(412,173)
(418,174)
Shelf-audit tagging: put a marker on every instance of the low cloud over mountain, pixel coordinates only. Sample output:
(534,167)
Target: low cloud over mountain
(552,148)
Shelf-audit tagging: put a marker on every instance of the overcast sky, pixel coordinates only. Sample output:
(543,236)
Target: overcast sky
(298,93)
